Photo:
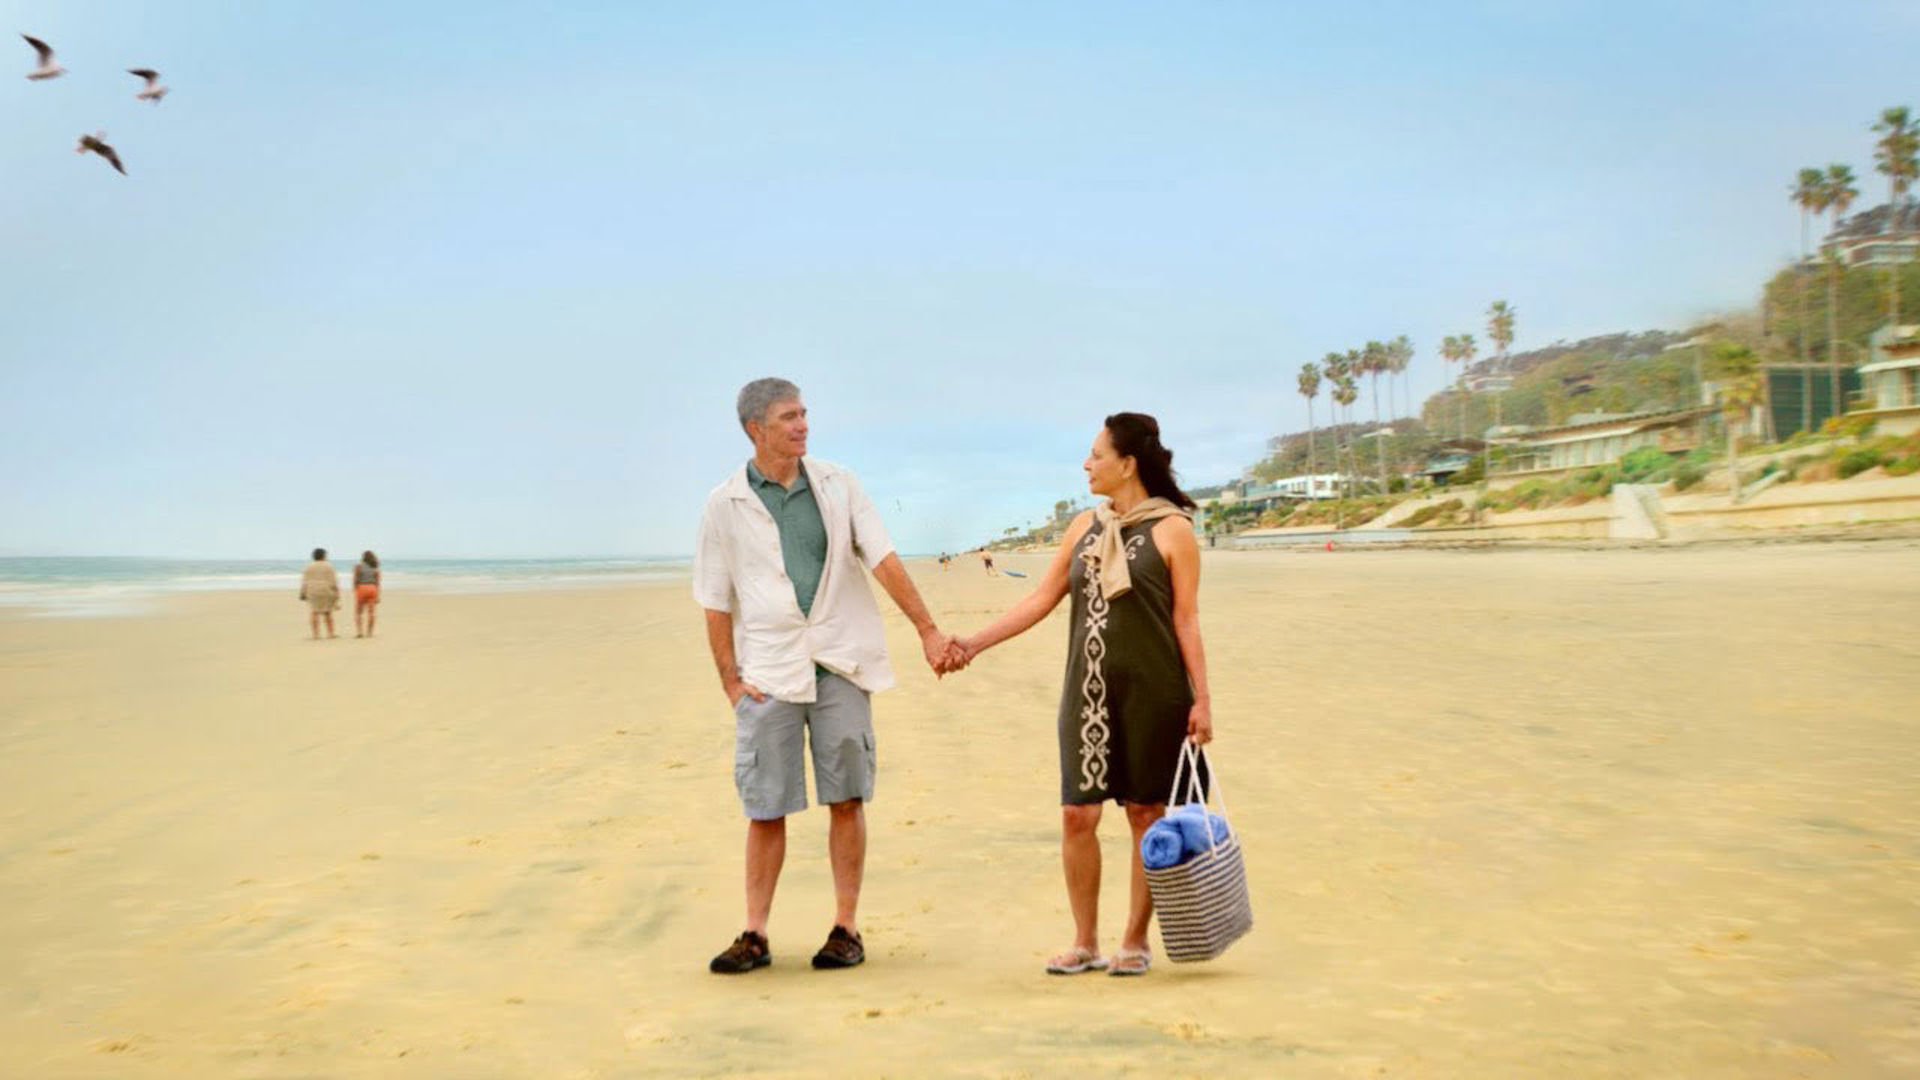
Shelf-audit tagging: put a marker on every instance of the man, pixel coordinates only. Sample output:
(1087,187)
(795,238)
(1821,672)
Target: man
(797,640)
(320,588)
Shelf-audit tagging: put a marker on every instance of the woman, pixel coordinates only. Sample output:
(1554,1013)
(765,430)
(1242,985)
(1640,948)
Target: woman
(320,588)
(1136,684)
(366,592)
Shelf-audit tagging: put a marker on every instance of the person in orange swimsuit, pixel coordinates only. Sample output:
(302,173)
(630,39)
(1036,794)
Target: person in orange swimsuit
(366,593)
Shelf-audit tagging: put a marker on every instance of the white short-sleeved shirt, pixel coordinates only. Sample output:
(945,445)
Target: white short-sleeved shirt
(737,569)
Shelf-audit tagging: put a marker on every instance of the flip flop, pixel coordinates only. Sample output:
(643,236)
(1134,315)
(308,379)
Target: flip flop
(1076,961)
(1128,962)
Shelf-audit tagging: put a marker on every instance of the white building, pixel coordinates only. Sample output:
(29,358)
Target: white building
(1877,237)
(1312,486)
(1892,382)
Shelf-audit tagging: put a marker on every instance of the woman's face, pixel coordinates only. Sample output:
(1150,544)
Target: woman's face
(1107,471)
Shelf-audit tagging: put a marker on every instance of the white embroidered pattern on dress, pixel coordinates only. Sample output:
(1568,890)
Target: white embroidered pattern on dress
(1094,732)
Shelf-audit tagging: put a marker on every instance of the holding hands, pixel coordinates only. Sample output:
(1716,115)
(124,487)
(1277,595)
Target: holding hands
(960,652)
(945,653)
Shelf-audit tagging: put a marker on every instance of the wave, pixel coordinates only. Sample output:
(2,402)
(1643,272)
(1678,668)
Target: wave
(76,587)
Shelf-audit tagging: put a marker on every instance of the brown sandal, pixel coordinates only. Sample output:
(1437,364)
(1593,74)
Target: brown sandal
(748,951)
(843,949)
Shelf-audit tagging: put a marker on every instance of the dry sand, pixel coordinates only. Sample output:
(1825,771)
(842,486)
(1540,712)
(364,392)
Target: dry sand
(1521,813)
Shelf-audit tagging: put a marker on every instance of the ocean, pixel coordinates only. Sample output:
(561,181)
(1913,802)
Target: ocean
(75,587)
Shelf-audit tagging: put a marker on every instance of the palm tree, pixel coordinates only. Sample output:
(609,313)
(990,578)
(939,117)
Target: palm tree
(1356,367)
(1373,361)
(1739,389)
(1836,194)
(1335,367)
(1809,192)
(1346,390)
(1500,329)
(1309,383)
(1450,355)
(1897,155)
(1399,358)
(1468,348)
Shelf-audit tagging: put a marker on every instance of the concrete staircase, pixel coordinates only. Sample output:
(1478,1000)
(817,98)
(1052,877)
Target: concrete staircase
(1636,513)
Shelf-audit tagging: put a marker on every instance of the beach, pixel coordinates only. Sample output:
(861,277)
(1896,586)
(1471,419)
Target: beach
(1509,813)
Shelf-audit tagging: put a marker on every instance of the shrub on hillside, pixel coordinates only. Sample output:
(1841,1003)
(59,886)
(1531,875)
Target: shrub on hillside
(1858,461)
(1475,472)
(1642,464)
(1426,514)
(1593,484)
(1850,427)
(1687,474)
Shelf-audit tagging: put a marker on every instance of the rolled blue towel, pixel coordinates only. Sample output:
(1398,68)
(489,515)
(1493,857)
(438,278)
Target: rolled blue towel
(1194,821)
(1161,845)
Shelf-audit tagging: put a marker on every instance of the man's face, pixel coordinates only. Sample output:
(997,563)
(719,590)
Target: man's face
(784,430)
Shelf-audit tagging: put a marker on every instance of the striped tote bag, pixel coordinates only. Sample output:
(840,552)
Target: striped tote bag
(1202,903)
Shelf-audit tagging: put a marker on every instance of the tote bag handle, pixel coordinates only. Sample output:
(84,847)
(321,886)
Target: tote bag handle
(1192,756)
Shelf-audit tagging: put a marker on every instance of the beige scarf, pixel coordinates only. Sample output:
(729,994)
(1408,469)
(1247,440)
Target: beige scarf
(1108,556)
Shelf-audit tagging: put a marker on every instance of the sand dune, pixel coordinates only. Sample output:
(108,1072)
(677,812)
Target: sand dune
(1522,813)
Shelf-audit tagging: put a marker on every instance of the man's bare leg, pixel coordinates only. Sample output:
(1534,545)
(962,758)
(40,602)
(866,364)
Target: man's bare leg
(847,851)
(766,853)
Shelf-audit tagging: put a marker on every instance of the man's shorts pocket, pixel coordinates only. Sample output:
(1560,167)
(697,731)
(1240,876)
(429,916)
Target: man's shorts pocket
(744,762)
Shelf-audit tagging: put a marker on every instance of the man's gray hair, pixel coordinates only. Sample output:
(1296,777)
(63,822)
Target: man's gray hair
(762,394)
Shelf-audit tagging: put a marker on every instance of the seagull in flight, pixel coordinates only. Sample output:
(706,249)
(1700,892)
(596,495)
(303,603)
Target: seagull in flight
(47,69)
(154,91)
(93,142)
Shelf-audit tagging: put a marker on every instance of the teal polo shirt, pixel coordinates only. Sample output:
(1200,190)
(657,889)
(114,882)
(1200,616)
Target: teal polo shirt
(803,533)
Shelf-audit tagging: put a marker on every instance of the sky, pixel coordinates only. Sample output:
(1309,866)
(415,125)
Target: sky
(471,280)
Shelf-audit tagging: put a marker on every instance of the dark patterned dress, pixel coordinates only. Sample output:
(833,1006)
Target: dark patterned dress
(1123,711)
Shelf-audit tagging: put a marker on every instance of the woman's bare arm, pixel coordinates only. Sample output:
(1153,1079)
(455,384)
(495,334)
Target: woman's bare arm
(1173,537)
(1046,595)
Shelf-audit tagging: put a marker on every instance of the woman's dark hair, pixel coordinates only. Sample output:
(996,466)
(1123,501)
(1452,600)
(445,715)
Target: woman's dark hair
(1137,435)
(319,553)
(368,558)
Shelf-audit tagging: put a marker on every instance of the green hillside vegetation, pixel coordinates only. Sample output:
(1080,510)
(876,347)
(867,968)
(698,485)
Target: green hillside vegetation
(1861,292)
(1614,373)
(1288,453)
(1896,455)
(1330,512)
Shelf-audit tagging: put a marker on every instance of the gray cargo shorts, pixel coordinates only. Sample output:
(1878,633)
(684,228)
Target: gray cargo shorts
(767,751)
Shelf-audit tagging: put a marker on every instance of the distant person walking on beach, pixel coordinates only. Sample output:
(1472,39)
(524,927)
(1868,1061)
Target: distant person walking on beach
(986,559)
(320,588)
(785,545)
(1136,684)
(366,593)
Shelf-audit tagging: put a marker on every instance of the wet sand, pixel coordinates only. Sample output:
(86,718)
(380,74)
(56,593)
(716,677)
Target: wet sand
(1507,814)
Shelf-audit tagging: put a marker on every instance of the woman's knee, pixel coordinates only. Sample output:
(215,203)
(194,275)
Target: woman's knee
(1141,815)
(1079,820)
